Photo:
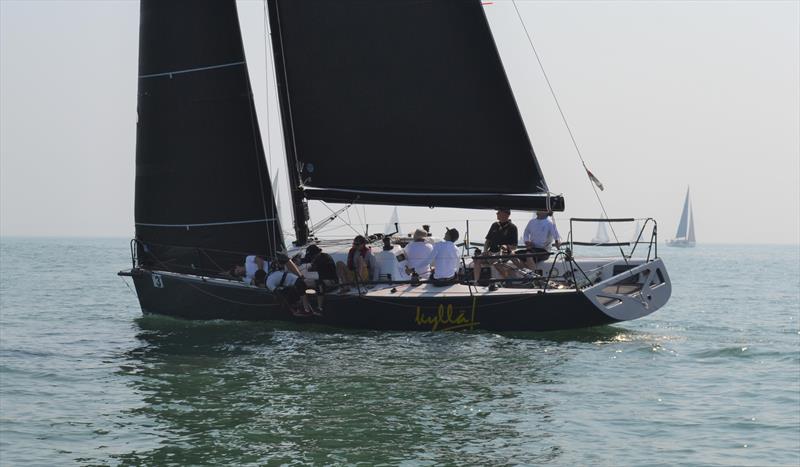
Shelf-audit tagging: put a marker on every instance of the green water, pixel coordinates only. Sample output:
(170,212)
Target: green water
(711,379)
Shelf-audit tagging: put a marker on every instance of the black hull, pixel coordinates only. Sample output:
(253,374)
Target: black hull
(207,300)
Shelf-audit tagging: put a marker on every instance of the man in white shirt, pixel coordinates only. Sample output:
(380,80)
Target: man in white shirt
(247,273)
(418,254)
(252,264)
(388,266)
(445,257)
(540,234)
(283,279)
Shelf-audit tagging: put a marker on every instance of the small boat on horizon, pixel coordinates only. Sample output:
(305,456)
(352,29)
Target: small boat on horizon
(684,237)
(601,236)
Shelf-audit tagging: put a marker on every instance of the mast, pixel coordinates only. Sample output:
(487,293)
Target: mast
(299,205)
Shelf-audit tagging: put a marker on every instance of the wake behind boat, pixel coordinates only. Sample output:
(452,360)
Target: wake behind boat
(354,87)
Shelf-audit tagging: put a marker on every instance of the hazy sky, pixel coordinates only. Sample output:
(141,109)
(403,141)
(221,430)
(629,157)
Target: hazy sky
(659,95)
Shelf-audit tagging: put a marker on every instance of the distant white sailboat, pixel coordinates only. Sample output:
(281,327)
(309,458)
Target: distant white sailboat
(637,231)
(684,237)
(601,236)
(393,226)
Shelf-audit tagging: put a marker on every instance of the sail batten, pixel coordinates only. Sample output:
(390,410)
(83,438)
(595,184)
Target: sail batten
(532,202)
(191,70)
(208,224)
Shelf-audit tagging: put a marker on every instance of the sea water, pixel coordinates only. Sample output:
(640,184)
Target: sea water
(713,378)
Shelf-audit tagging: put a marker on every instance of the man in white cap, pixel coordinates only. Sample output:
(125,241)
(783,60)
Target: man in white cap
(418,254)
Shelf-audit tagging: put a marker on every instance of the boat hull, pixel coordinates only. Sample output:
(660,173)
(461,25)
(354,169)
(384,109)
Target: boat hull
(192,297)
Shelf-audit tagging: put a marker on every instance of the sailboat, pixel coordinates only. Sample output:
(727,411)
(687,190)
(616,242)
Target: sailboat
(601,236)
(361,94)
(684,237)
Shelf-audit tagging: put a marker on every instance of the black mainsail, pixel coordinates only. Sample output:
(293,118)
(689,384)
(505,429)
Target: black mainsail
(203,193)
(400,102)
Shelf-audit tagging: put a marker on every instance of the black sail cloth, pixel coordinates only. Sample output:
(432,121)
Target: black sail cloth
(401,102)
(203,197)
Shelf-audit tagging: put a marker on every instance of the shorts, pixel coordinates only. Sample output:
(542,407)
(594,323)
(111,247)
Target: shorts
(325,285)
(350,275)
(294,292)
(539,254)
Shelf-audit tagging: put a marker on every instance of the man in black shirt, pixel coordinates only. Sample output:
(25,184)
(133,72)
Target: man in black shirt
(323,265)
(501,239)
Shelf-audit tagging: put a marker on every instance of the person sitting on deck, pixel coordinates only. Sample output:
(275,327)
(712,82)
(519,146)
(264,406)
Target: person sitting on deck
(252,264)
(418,254)
(388,266)
(321,272)
(445,258)
(539,235)
(286,280)
(260,279)
(360,265)
(501,239)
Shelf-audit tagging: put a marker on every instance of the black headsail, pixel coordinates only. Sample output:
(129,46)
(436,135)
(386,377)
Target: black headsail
(203,193)
(401,102)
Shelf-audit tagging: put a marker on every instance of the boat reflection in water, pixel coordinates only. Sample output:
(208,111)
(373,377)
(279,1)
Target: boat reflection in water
(234,393)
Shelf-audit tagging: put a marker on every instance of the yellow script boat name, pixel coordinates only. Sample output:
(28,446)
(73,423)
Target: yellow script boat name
(447,318)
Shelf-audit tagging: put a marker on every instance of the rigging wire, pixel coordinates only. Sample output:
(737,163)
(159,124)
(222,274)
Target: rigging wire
(566,124)
(348,223)
(128,285)
(360,221)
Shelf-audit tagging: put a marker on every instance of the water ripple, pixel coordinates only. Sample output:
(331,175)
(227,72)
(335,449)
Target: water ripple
(712,379)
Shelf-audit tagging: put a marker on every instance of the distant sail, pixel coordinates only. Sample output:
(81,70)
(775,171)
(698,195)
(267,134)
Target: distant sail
(602,234)
(636,231)
(392,226)
(681,233)
(684,237)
